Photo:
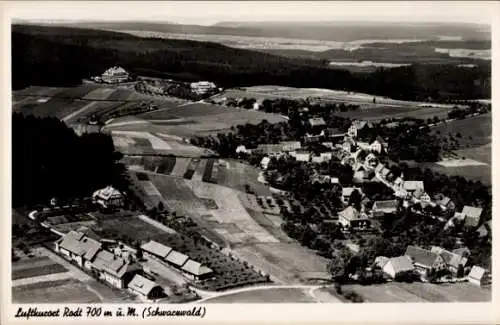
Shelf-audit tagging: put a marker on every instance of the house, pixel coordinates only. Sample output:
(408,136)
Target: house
(379,168)
(347,192)
(357,126)
(317,122)
(323,157)
(446,203)
(411,186)
(452,260)
(379,145)
(363,145)
(176,259)
(108,197)
(349,145)
(202,87)
(271,150)
(477,276)
(485,229)
(381,208)
(371,161)
(115,75)
(398,266)
(114,270)
(425,198)
(78,247)
(145,288)
(243,149)
(301,155)
(424,259)
(332,133)
(155,249)
(353,219)
(264,163)
(472,216)
(310,138)
(287,146)
(324,179)
(196,271)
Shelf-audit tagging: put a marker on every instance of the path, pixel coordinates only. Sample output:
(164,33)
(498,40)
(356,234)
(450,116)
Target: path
(207,295)
(78,112)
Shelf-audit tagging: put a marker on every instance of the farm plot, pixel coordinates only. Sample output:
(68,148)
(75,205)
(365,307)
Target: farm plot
(166,165)
(230,210)
(59,291)
(132,227)
(99,94)
(52,268)
(84,113)
(199,170)
(55,107)
(236,175)
(481,153)
(120,95)
(181,165)
(287,262)
(470,132)
(271,295)
(76,92)
(480,173)
(379,112)
(38,91)
(177,194)
(191,168)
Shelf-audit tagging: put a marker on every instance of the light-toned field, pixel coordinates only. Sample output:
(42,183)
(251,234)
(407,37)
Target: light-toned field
(460,163)
(60,291)
(99,94)
(287,262)
(480,153)
(275,295)
(423,292)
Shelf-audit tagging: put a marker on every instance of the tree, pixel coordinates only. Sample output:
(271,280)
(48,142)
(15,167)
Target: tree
(336,267)
(355,199)
(460,271)
(160,206)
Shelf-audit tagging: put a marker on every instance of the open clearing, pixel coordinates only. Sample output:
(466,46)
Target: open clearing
(480,153)
(475,131)
(61,291)
(422,292)
(274,295)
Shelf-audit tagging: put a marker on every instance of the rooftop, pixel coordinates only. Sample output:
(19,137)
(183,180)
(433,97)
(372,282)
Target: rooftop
(477,272)
(317,121)
(385,205)
(79,244)
(177,258)
(401,264)
(421,256)
(413,185)
(141,284)
(196,268)
(156,249)
(107,193)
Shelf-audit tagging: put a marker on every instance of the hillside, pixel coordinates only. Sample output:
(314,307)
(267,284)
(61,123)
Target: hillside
(61,56)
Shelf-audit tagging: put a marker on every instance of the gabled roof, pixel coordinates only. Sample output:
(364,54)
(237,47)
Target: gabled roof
(401,264)
(386,205)
(379,168)
(381,140)
(361,124)
(477,273)
(450,258)
(107,193)
(347,191)
(269,148)
(265,161)
(196,268)
(472,215)
(421,256)
(177,258)
(413,185)
(463,251)
(79,244)
(107,262)
(350,213)
(141,284)
(444,201)
(156,248)
(385,172)
(290,145)
(317,121)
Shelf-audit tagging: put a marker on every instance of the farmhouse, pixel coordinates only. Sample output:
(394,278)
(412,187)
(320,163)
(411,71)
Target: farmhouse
(411,186)
(301,155)
(452,260)
(114,270)
(108,197)
(477,276)
(287,146)
(397,266)
(353,219)
(424,259)
(317,122)
(78,247)
(472,216)
(196,271)
(202,87)
(357,126)
(379,145)
(115,75)
(381,208)
(269,149)
(155,249)
(145,288)
(176,259)
(264,163)
(485,229)
(347,192)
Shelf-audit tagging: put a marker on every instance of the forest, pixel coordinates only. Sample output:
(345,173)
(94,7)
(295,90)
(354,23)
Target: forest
(69,54)
(50,160)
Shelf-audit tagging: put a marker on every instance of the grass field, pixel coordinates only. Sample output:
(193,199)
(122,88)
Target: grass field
(480,173)
(275,295)
(379,112)
(236,175)
(474,131)
(480,153)
(60,291)
(422,292)
(38,271)
(54,107)
(99,94)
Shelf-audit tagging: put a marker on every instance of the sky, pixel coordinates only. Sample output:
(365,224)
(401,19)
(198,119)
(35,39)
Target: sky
(208,12)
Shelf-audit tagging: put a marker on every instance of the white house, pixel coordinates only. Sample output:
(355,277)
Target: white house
(353,219)
(347,192)
(472,216)
(115,75)
(379,145)
(196,271)
(115,270)
(477,275)
(452,260)
(202,87)
(145,288)
(243,149)
(398,266)
(156,250)
(301,155)
(357,126)
(108,197)
(79,248)
(424,259)
(264,163)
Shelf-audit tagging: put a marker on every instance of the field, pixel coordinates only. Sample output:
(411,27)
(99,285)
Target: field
(422,292)
(480,173)
(274,295)
(475,131)
(60,291)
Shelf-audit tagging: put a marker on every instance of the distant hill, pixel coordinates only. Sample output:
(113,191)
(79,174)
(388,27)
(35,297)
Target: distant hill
(62,56)
(328,31)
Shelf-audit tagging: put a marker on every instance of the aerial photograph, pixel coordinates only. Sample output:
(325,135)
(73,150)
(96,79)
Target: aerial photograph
(224,152)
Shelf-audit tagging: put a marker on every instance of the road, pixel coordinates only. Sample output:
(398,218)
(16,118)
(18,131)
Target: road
(207,295)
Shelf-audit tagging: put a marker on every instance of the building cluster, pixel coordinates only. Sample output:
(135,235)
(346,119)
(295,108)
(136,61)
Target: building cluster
(202,87)
(113,75)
